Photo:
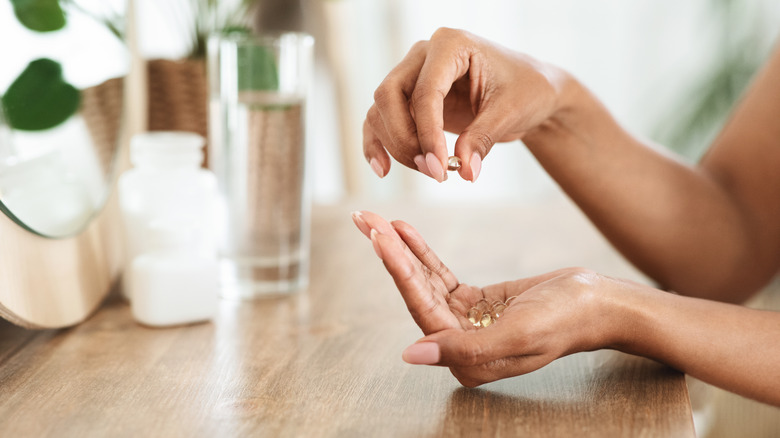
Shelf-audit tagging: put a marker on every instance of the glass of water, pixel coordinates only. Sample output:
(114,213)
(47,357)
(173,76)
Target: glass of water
(257,149)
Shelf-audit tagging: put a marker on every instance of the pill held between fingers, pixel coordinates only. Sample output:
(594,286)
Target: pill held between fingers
(486,320)
(453,163)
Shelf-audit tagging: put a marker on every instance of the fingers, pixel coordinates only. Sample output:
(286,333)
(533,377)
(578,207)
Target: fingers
(459,348)
(475,142)
(424,292)
(392,103)
(424,253)
(366,221)
(478,356)
(446,61)
(429,310)
(372,147)
(389,123)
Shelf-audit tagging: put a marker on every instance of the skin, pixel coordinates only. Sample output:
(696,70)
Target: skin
(709,231)
(568,311)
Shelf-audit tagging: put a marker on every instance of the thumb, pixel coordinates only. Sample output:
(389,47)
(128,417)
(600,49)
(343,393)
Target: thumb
(455,347)
(475,142)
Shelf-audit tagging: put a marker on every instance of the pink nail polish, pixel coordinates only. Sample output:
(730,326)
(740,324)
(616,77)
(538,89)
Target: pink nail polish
(357,218)
(422,166)
(476,166)
(434,165)
(377,168)
(422,353)
(375,243)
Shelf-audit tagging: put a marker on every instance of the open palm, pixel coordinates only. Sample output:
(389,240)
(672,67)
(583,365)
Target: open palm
(431,291)
(548,319)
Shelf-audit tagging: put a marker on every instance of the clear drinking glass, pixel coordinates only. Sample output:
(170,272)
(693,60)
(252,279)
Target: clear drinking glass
(257,149)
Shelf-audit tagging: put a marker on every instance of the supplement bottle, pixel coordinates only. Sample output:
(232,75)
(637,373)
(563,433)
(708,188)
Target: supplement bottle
(174,282)
(166,183)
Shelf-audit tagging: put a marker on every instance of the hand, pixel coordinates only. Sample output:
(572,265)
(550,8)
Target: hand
(554,314)
(459,83)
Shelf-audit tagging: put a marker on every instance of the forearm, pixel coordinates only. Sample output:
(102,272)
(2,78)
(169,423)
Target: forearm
(673,221)
(732,347)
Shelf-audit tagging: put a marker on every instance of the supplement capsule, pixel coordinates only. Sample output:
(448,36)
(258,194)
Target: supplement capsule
(509,300)
(453,163)
(486,320)
(474,315)
(497,310)
(483,306)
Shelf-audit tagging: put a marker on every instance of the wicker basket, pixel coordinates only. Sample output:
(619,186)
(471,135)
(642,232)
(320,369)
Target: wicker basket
(101,108)
(178,96)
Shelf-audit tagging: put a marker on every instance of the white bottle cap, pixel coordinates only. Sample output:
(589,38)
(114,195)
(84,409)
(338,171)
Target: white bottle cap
(167,148)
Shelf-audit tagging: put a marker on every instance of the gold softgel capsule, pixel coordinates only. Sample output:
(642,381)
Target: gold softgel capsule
(474,315)
(453,163)
(483,306)
(497,310)
(484,314)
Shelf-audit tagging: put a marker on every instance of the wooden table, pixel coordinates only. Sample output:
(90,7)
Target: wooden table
(327,362)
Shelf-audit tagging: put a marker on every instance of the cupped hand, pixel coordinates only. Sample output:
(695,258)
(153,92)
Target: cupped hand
(553,314)
(461,83)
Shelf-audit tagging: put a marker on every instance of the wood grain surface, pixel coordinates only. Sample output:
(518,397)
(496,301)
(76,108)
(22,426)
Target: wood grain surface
(326,362)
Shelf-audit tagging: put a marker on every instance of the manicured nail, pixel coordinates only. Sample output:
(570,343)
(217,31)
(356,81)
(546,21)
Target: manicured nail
(357,218)
(375,243)
(377,168)
(422,166)
(434,165)
(422,353)
(476,166)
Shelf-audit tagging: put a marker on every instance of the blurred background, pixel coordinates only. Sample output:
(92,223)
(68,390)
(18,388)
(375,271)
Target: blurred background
(668,70)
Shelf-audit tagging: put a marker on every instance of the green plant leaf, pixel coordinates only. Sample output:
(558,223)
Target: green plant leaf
(257,69)
(40,98)
(40,15)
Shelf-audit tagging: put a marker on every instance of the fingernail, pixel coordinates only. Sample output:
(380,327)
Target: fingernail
(476,166)
(357,218)
(375,243)
(422,353)
(377,168)
(434,165)
(419,160)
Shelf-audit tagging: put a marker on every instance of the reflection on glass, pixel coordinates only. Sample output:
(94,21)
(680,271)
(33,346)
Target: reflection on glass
(61,90)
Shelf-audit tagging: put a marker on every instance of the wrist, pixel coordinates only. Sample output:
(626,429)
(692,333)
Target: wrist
(576,115)
(628,316)
(604,310)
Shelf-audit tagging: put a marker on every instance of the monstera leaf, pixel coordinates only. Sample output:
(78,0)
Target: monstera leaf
(39,15)
(40,98)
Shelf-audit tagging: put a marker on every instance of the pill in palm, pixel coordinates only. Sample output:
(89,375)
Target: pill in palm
(497,310)
(483,314)
(474,316)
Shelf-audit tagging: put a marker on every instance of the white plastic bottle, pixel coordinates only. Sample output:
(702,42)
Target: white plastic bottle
(166,183)
(174,282)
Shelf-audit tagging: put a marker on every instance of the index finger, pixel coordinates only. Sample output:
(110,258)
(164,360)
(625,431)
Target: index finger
(446,61)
